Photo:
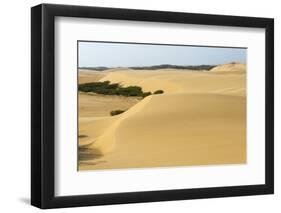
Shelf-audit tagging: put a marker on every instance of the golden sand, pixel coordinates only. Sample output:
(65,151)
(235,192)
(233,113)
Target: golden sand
(199,120)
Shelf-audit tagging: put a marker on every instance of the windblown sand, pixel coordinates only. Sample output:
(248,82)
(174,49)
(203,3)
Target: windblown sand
(199,120)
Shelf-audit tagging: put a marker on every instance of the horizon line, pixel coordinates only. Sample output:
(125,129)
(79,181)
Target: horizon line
(157,65)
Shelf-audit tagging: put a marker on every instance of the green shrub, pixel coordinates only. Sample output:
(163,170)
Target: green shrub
(158,91)
(146,94)
(106,88)
(116,112)
(130,91)
(98,87)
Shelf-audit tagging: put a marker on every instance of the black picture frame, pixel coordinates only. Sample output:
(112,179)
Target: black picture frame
(43,102)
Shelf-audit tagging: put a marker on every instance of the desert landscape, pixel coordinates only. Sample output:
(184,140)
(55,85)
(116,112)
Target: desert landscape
(176,117)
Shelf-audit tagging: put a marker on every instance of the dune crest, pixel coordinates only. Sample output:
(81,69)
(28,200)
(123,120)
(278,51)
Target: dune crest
(226,79)
(231,67)
(106,142)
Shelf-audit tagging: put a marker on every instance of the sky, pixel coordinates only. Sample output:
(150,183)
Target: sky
(96,54)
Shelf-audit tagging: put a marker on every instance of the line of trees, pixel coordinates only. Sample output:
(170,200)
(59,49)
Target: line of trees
(170,66)
(156,67)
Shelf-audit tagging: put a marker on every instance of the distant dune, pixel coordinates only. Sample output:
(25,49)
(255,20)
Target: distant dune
(174,81)
(86,76)
(232,67)
(199,120)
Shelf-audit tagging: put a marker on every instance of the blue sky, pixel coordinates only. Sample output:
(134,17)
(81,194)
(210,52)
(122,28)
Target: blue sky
(95,54)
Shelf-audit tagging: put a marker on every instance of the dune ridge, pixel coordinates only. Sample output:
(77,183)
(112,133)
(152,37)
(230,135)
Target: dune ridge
(182,81)
(106,142)
(231,67)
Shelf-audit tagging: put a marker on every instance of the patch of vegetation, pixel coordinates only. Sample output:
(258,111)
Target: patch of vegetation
(146,94)
(116,112)
(100,87)
(130,91)
(107,88)
(158,91)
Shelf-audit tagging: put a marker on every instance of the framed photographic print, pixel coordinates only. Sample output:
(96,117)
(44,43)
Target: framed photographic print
(139,106)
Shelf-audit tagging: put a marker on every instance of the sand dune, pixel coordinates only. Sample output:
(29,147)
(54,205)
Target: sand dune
(199,120)
(232,67)
(193,129)
(172,81)
(94,105)
(86,76)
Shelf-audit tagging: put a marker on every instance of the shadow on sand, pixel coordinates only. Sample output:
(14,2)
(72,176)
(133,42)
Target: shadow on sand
(88,156)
